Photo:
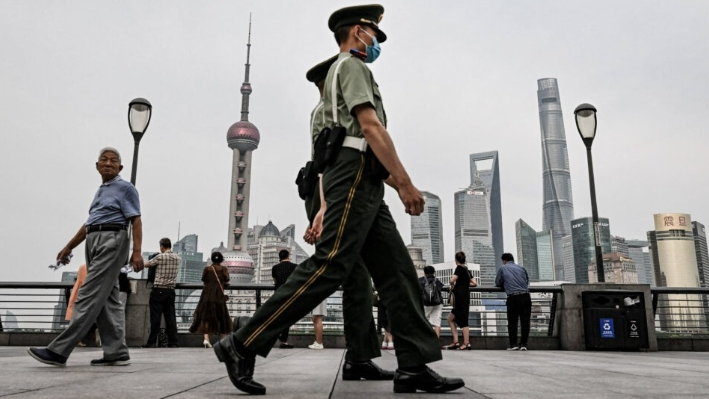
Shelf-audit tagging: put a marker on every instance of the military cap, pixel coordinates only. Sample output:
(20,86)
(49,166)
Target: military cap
(319,71)
(370,14)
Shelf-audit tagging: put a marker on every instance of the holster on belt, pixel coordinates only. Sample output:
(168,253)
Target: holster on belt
(307,180)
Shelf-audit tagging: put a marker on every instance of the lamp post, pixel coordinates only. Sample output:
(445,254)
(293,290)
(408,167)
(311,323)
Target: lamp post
(139,112)
(586,125)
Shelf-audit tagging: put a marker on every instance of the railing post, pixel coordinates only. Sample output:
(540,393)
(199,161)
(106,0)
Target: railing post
(258,298)
(552,315)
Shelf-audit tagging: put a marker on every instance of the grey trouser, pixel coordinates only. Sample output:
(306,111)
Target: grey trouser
(98,301)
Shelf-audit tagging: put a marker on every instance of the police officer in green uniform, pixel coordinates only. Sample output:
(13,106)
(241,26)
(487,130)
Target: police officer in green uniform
(362,345)
(357,223)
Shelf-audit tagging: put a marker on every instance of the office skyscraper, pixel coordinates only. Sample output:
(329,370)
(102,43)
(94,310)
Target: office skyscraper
(486,166)
(638,253)
(535,251)
(527,249)
(675,265)
(585,245)
(700,248)
(473,231)
(620,245)
(558,206)
(427,229)
(545,256)
(567,251)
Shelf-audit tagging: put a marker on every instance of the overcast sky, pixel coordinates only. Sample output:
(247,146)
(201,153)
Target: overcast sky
(457,77)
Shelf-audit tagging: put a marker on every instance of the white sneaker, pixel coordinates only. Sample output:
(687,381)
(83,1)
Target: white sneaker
(523,348)
(513,348)
(384,344)
(390,345)
(316,345)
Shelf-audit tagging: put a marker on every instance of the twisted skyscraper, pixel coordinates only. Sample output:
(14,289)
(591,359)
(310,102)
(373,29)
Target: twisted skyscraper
(558,206)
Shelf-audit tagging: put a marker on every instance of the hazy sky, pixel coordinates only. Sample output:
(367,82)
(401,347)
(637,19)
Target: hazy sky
(457,77)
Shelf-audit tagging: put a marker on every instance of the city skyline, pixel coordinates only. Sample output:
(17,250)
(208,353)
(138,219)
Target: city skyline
(67,98)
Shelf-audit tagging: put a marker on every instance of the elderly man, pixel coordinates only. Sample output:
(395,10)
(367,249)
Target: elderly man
(114,207)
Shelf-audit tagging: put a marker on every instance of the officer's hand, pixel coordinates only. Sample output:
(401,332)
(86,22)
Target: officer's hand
(412,199)
(136,260)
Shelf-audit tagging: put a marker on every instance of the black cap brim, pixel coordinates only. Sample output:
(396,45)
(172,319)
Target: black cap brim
(319,71)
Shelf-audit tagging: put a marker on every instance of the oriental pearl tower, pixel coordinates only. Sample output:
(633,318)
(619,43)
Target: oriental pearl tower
(243,138)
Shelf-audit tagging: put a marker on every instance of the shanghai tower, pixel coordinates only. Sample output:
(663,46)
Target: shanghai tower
(558,206)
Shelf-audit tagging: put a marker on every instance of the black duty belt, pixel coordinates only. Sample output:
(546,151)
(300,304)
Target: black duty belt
(106,227)
(518,293)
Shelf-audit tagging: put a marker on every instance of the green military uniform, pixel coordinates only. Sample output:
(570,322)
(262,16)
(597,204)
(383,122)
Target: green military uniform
(361,345)
(357,224)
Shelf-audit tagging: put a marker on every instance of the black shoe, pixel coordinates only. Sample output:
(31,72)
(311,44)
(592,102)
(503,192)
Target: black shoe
(148,345)
(286,345)
(120,361)
(427,380)
(239,367)
(365,371)
(46,356)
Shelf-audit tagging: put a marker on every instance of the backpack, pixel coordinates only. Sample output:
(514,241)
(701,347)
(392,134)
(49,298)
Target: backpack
(431,293)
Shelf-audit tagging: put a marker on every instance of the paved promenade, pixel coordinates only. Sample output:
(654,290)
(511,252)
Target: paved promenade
(303,373)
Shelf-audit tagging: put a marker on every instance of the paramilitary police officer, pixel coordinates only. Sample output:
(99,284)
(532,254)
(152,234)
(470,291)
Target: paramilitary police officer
(357,223)
(362,344)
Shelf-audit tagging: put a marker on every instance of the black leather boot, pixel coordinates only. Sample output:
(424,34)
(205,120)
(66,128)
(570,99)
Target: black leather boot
(239,366)
(365,371)
(426,380)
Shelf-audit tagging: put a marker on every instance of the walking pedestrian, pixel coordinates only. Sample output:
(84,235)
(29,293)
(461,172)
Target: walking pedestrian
(357,223)
(115,206)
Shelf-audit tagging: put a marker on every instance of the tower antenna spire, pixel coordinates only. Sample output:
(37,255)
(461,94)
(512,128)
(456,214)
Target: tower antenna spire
(246,86)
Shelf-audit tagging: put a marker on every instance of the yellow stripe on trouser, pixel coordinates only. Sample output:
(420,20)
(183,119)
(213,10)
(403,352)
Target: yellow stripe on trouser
(322,268)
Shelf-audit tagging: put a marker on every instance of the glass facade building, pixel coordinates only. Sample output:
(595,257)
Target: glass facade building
(584,245)
(558,205)
(527,249)
(427,229)
(637,250)
(486,166)
(545,255)
(700,248)
(473,232)
(535,251)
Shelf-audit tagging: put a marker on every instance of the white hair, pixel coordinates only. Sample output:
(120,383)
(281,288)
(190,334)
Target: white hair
(109,149)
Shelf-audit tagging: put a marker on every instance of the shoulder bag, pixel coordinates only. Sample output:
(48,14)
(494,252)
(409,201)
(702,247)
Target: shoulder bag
(226,297)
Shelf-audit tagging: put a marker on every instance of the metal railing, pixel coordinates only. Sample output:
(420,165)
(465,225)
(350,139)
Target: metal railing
(41,307)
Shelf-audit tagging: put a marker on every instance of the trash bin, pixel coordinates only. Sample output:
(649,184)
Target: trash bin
(614,320)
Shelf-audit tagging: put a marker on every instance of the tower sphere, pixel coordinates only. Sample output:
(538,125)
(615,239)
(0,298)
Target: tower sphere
(243,135)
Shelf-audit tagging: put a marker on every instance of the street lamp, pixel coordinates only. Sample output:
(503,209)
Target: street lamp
(139,112)
(586,125)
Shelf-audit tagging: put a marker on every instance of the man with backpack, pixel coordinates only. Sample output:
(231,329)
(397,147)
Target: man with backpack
(432,298)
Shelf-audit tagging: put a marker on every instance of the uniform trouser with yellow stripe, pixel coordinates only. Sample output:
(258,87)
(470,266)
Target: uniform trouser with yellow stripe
(357,224)
(362,344)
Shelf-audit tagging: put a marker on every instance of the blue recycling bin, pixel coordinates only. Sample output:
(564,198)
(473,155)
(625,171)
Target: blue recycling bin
(614,320)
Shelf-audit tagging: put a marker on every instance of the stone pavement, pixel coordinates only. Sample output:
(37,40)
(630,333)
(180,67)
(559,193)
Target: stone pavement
(303,373)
